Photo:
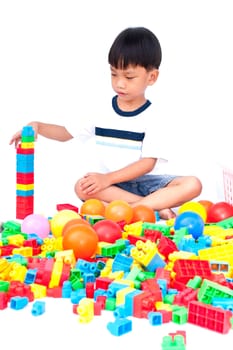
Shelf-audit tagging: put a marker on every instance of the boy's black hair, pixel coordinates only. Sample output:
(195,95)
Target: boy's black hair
(135,46)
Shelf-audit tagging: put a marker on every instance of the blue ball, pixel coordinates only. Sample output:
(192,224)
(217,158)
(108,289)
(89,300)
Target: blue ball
(192,221)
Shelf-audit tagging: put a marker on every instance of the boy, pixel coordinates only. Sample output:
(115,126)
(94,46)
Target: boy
(128,137)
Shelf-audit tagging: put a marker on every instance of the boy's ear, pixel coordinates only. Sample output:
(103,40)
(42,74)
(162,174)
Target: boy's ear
(153,76)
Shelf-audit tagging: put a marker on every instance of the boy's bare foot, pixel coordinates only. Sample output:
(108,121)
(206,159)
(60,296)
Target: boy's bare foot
(166,214)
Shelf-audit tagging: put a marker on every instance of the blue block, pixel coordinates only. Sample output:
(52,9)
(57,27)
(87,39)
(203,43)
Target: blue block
(120,326)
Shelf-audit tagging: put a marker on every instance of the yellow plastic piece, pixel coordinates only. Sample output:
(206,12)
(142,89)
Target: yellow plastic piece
(67,256)
(18,273)
(85,310)
(24,251)
(23,187)
(56,273)
(121,293)
(38,290)
(17,239)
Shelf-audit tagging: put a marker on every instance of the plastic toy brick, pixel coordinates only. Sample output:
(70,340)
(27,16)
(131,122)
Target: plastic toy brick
(122,263)
(114,287)
(55,292)
(103,282)
(223,252)
(180,315)
(30,276)
(18,303)
(77,295)
(185,269)
(210,317)
(142,304)
(166,246)
(66,289)
(120,326)
(110,304)
(121,294)
(38,308)
(67,206)
(209,290)
(3,300)
(155,318)
(189,244)
(224,303)
(151,285)
(152,235)
(173,343)
(134,229)
(4,286)
(179,332)
(14,226)
(85,310)
(97,308)
(184,297)
(18,272)
(38,291)
(144,253)
(101,299)
(67,256)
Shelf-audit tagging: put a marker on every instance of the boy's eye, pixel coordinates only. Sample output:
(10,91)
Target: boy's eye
(130,78)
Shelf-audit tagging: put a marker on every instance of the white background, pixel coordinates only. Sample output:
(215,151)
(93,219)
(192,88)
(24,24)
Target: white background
(53,66)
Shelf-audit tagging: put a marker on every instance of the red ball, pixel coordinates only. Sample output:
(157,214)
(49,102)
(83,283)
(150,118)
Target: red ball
(107,230)
(219,211)
(82,239)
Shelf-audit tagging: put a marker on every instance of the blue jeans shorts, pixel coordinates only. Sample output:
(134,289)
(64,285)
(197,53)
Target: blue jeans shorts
(146,184)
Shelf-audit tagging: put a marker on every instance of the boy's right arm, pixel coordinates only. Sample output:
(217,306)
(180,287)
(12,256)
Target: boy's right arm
(50,131)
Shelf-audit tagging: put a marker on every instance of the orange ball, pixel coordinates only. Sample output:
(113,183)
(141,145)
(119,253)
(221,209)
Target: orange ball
(119,210)
(74,222)
(82,239)
(143,213)
(92,206)
(206,204)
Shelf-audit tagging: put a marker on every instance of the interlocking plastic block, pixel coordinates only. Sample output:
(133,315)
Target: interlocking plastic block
(173,343)
(38,308)
(18,303)
(120,326)
(155,318)
(210,317)
(187,269)
(209,290)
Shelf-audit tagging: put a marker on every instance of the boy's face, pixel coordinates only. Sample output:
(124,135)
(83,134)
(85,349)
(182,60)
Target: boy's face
(131,83)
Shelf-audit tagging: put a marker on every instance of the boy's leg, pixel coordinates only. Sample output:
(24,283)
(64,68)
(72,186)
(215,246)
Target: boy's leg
(180,190)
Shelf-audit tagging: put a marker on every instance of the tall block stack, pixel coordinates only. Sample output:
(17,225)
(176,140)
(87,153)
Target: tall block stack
(25,174)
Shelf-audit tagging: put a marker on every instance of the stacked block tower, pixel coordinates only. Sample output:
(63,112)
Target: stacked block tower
(25,174)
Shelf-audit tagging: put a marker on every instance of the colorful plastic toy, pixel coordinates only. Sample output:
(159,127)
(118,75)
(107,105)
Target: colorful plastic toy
(92,207)
(82,239)
(119,210)
(144,214)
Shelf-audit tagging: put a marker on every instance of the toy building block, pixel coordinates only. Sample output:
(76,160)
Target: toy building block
(210,317)
(85,310)
(3,300)
(67,206)
(25,174)
(185,269)
(120,326)
(210,290)
(155,318)
(173,343)
(18,303)
(38,308)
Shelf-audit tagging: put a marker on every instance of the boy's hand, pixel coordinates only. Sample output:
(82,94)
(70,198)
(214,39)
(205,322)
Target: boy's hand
(16,138)
(92,183)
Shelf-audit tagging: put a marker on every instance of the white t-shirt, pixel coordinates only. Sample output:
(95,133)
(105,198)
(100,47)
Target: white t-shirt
(121,138)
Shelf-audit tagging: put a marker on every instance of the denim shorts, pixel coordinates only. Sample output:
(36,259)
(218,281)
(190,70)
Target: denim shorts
(147,184)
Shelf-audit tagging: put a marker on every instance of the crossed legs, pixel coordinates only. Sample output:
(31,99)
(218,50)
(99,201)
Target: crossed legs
(180,190)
